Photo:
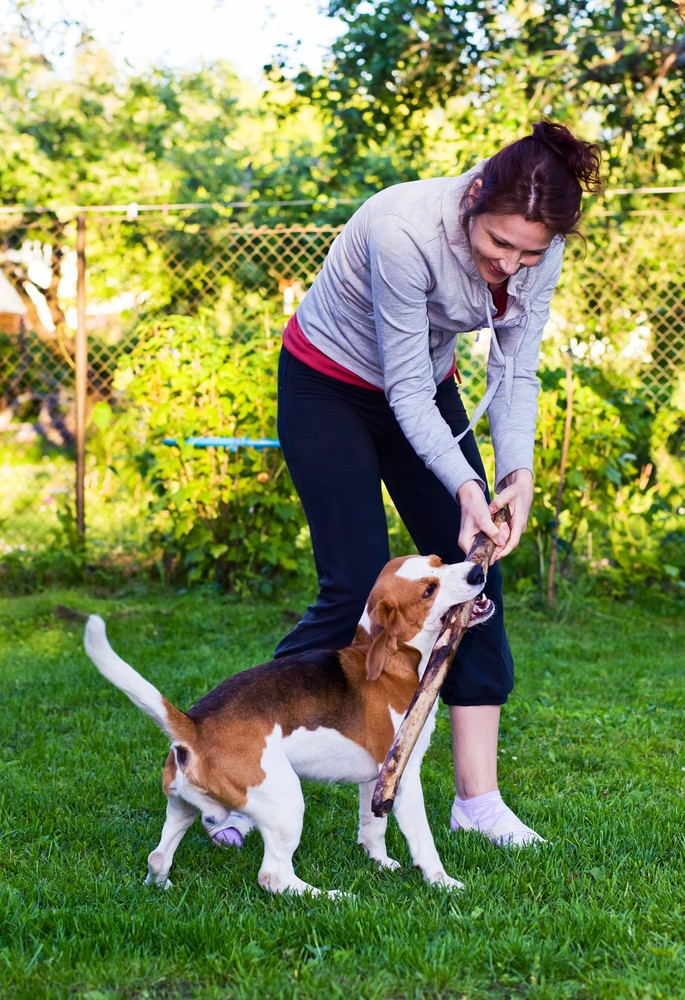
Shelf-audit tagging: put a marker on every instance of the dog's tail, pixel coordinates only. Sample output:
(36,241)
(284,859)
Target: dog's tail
(170,720)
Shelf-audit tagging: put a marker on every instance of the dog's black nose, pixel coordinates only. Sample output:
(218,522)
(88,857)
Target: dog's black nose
(476,576)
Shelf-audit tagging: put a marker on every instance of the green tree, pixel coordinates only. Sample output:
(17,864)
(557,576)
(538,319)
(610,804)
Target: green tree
(467,75)
(85,132)
(102,138)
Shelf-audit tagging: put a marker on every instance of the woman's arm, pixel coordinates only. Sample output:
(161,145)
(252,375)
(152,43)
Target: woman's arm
(513,420)
(401,277)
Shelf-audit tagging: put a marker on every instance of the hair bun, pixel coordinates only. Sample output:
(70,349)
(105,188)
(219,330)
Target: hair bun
(582,158)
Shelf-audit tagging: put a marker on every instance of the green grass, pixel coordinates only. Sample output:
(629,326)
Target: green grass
(591,754)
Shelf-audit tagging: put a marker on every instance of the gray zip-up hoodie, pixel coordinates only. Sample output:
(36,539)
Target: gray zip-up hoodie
(397,287)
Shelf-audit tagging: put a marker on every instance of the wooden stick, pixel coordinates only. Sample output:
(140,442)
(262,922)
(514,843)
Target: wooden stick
(434,675)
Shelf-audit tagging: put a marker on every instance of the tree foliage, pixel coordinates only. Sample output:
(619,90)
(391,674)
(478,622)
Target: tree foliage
(101,138)
(413,87)
(102,135)
(474,73)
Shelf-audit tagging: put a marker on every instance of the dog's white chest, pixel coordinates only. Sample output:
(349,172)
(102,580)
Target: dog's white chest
(326,755)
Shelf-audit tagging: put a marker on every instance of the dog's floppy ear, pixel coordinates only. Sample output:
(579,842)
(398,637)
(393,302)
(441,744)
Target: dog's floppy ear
(384,643)
(386,628)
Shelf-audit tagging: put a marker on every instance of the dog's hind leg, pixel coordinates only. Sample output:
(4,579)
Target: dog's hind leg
(277,810)
(372,828)
(179,817)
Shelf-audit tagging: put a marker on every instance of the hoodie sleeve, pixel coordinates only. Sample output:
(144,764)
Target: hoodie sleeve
(401,279)
(513,410)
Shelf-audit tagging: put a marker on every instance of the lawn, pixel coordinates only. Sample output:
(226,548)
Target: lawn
(592,755)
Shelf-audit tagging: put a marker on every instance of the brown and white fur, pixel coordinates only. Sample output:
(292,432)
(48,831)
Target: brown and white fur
(324,715)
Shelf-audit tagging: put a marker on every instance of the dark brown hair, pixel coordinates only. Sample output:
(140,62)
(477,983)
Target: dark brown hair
(541,177)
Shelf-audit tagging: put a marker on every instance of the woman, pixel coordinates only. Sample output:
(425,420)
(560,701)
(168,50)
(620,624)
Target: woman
(367,394)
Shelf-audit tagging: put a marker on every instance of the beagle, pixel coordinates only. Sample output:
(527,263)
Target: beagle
(324,715)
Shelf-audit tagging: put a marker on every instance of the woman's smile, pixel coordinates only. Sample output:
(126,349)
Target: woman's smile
(502,244)
(496,271)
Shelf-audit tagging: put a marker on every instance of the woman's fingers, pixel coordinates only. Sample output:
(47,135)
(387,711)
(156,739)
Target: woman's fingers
(476,517)
(517,496)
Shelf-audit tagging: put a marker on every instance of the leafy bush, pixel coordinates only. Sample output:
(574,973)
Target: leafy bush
(232,517)
(611,522)
(616,517)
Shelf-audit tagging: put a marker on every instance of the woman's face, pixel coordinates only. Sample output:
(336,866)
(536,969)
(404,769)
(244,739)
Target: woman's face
(502,244)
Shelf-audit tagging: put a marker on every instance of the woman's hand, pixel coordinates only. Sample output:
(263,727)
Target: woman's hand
(476,516)
(517,495)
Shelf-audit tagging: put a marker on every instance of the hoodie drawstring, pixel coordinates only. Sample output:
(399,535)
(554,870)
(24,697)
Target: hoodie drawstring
(505,372)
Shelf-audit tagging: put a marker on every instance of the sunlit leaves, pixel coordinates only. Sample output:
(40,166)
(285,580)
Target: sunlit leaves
(613,70)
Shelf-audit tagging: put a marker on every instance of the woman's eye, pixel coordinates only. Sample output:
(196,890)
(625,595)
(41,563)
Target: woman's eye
(430,590)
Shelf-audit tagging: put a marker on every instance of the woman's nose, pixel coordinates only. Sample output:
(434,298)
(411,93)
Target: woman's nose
(509,264)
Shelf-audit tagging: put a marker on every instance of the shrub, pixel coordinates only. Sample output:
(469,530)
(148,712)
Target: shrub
(230,516)
(616,519)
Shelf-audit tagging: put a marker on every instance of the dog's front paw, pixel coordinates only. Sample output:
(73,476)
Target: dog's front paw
(441,878)
(389,864)
(158,882)
(378,854)
(155,871)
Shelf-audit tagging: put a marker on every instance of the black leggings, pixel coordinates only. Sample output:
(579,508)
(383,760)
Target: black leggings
(339,442)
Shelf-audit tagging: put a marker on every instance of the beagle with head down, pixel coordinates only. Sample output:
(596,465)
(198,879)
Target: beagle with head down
(326,715)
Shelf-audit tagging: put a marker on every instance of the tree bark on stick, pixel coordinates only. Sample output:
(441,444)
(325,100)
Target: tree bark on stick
(439,662)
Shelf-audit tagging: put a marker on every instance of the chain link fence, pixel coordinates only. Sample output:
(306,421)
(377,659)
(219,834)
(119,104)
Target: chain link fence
(620,305)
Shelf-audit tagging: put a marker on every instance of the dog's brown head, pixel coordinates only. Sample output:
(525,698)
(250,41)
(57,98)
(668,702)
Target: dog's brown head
(408,602)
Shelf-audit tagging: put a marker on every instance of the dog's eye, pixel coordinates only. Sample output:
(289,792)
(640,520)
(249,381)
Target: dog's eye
(430,590)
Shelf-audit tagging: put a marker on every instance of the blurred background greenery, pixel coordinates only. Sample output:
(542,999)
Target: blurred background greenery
(208,202)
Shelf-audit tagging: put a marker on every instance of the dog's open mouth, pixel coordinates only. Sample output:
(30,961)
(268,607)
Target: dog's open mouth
(482,609)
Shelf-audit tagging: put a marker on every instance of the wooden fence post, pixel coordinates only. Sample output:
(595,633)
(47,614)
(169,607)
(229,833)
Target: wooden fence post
(81,371)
